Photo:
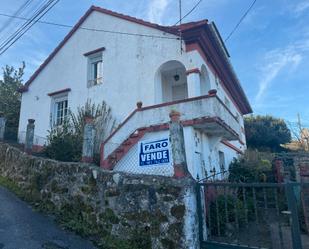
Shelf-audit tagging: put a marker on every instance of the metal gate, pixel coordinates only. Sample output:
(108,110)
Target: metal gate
(255,215)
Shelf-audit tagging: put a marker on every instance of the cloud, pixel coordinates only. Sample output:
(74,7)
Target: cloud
(301,7)
(156,10)
(275,61)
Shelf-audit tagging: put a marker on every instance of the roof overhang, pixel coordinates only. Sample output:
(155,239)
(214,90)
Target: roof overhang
(206,38)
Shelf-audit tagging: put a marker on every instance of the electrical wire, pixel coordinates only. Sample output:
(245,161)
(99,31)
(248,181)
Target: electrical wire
(27,25)
(240,21)
(17,13)
(92,29)
(189,12)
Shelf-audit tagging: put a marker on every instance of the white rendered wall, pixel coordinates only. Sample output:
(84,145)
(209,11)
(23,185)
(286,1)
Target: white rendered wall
(130,64)
(129,67)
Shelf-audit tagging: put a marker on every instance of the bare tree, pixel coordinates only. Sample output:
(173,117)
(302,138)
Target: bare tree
(300,134)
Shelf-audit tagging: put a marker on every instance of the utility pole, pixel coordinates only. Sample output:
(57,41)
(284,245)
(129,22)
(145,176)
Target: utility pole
(298,122)
(180,19)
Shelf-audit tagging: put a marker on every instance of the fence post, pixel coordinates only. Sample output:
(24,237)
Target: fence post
(2,125)
(178,146)
(292,205)
(88,141)
(303,170)
(29,136)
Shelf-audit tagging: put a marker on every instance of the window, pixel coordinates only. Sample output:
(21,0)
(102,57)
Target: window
(60,110)
(222,161)
(95,69)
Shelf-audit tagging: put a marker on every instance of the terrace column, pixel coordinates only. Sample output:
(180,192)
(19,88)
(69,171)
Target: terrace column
(178,146)
(29,136)
(2,125)
(88,142)
(194,82)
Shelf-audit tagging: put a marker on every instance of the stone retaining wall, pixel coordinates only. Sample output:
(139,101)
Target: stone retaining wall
(116,210)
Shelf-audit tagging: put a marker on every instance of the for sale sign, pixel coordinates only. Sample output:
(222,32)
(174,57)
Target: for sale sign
(154,152)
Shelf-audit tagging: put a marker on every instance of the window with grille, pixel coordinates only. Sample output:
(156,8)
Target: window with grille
(59,110)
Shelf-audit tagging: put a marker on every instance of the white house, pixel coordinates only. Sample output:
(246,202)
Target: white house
(123,60)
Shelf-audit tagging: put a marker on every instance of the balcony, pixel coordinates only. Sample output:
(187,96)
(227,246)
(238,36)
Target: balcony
(207,113)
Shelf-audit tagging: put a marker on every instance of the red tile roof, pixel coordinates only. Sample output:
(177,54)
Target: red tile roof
(169,29)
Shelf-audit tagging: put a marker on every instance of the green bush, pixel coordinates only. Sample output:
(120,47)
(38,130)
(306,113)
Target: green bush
(254,166)
(64,144)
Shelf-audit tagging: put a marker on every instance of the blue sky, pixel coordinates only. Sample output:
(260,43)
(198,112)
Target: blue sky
(269,51)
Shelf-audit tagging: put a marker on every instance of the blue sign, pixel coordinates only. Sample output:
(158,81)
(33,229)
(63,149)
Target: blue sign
(154,152)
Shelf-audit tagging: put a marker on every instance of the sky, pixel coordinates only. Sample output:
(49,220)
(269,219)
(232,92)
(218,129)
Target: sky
(269,50)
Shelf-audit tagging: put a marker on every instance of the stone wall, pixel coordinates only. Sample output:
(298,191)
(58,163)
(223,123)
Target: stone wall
(116,210)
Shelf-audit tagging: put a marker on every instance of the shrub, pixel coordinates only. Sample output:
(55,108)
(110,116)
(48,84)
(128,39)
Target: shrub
(254,166)
(65,142)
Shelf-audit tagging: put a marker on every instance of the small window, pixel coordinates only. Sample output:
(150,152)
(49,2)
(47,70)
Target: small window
(60,110)
(222,161)
(95,69)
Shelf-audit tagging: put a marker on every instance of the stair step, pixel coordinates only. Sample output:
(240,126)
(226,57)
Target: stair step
(142,129)
(119,150)
(118,154)
(134,135)
(128,142)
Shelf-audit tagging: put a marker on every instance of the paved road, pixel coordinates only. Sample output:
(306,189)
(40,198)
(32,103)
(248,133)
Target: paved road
(23,228)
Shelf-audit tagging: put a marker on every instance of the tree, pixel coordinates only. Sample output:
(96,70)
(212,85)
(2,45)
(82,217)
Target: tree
(300,135)
(266,133)
(10,98)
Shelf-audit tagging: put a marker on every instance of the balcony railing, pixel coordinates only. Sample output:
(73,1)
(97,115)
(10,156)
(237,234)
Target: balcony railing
(207,112)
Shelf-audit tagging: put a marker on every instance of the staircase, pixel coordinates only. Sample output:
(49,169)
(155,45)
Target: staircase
(205,112)
(110,162)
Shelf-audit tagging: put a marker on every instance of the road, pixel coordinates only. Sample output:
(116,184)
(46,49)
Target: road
(23,228)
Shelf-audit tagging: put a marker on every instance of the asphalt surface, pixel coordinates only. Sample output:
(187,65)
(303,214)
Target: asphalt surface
(23,228)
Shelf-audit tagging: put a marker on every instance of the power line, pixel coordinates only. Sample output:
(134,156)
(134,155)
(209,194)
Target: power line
(189,12)
(24,25)
(91,29)
(17,13)
(27,25)
(240,21)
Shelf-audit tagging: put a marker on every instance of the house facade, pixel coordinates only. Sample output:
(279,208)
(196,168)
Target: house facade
(143,71)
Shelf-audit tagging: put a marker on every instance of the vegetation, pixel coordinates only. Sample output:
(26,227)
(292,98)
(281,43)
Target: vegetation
(10,98)
(64,144)
(254,166)
(266,133)
(65,141)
